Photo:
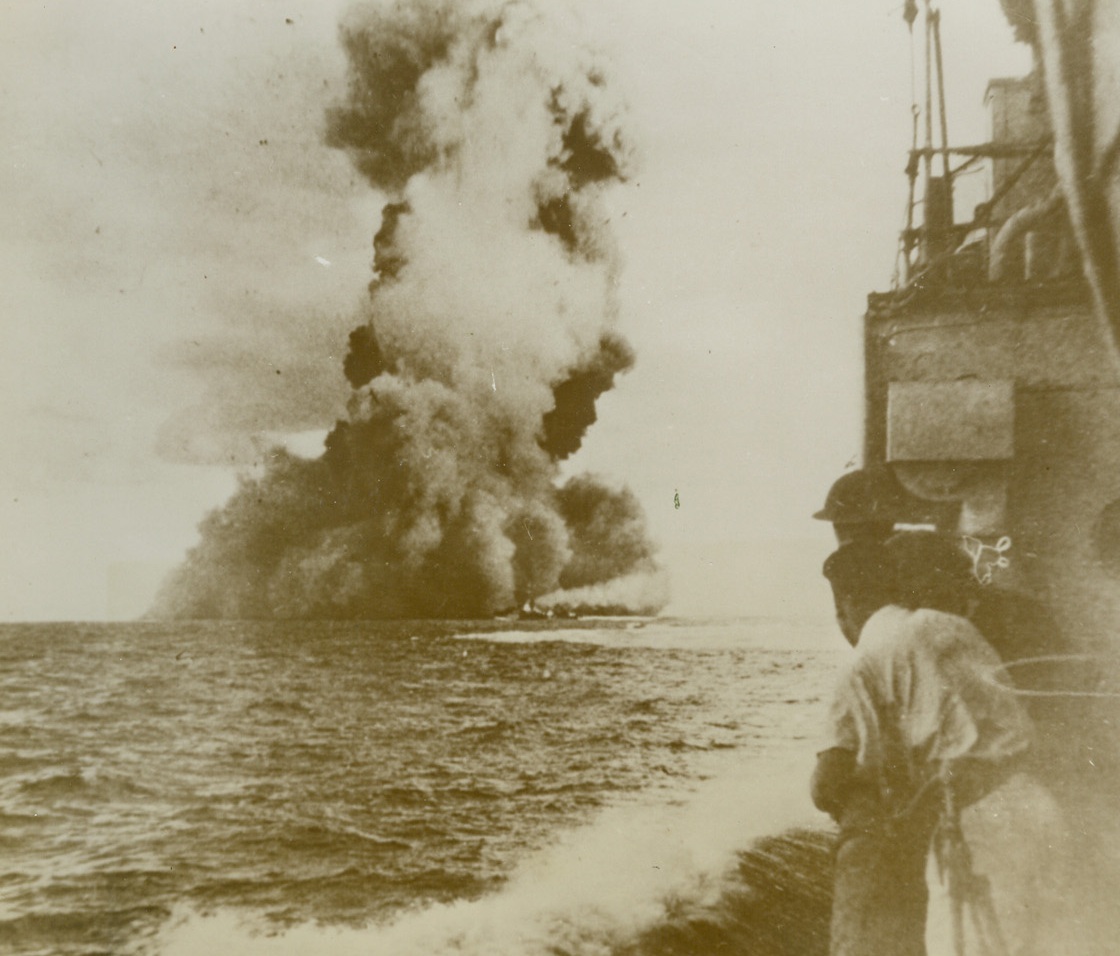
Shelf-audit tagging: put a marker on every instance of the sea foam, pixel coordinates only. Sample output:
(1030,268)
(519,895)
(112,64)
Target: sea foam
(594,891)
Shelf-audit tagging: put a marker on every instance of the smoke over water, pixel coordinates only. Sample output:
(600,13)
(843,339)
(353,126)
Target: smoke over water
(489,336)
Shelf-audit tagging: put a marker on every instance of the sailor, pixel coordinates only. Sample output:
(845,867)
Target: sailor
(926,744)
(864,505)
(879,892)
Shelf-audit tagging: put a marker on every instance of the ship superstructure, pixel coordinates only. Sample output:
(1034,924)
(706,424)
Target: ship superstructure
(992,393)
(992,386)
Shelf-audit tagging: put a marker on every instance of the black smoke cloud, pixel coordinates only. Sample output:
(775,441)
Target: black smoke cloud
(488,338)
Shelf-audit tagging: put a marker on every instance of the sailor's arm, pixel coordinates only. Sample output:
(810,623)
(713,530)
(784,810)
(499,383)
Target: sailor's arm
(834,780)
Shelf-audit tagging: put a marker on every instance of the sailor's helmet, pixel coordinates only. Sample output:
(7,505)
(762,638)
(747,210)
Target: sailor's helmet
(865,496)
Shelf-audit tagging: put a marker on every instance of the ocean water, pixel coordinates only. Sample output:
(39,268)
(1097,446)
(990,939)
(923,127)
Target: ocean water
(586,787)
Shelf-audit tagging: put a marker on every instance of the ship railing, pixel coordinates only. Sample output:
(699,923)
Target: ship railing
(928,251)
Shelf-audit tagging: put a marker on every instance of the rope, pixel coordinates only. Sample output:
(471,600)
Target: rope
(967,888)
(969,891)
(1004,670)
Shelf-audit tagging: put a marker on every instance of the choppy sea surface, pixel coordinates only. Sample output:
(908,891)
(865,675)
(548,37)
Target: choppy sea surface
(585,787)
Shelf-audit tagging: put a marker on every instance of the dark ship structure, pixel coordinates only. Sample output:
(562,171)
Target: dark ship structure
(992,395)
(992,383)
(992,370)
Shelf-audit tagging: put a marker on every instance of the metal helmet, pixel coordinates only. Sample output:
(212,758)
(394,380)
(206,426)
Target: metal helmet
(863,496)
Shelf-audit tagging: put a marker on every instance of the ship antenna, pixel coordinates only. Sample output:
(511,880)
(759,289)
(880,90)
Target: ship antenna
(935,19)
(934,238)
(909,14)
(928,154)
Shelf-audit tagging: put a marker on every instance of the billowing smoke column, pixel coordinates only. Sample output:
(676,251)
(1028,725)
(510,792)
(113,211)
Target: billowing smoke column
(487,342)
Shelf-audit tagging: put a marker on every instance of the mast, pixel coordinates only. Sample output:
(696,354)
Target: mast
(938,204)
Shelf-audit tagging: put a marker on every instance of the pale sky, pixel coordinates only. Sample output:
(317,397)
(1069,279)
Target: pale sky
(182,258)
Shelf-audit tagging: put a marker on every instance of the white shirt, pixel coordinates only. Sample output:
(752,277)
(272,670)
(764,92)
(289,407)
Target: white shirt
(923,687)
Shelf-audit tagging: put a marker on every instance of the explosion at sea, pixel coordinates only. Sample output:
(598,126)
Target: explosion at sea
(490,333)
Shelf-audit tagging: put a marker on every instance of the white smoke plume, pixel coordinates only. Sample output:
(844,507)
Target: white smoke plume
(490,334)
(640,593)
